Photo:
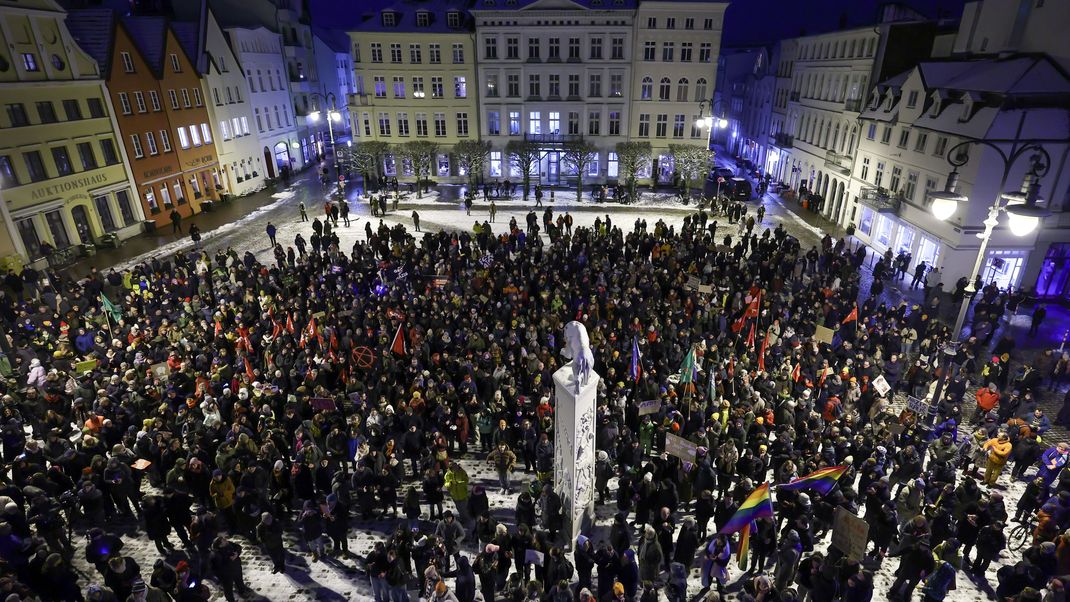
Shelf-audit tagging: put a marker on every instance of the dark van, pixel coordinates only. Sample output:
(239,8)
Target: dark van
(739,189)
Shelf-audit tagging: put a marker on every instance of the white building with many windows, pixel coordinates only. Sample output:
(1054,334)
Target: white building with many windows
(259,52)
(229,104)
(916,119)
(605,71)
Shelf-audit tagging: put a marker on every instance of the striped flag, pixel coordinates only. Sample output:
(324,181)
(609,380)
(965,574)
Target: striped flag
(636,368)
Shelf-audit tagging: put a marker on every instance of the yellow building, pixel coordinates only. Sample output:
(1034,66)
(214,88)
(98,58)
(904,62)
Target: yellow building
(415,68)
(63,178)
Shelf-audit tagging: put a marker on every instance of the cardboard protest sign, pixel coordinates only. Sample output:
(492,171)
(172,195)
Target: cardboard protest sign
(918,406)
(322,403)
(650,406)
(823,335)
(680,447)
(850,534)
(880,384)
(141,464)
(705,289)
(693,283)
(161,370)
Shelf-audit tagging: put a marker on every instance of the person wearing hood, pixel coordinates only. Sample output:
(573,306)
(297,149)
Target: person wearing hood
(999,451)
(465,585)
(584,560)
(628,573)
(269,534)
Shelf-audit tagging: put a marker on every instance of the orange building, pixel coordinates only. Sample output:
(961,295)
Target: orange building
(156,93)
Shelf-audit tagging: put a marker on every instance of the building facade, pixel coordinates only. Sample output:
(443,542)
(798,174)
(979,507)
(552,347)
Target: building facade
(226,89)
(1004,93)
(63,181)
(336,76)
(415,79)
(259,52)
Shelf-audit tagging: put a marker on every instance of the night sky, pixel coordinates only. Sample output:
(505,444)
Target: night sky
(747,22)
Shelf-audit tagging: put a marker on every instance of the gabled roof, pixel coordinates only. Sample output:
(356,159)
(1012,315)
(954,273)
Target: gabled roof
(189,38)
(150,37)
(335,39)
(1016,75)
(555,4)
(94,31)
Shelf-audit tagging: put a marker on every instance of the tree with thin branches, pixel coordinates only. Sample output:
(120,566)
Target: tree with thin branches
(366,158)
(579,154)
(631,156)
(692,163)
(471,157)
(523,155)
(421,154)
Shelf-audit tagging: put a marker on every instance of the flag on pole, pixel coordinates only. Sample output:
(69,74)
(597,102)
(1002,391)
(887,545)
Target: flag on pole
(114,312)
(757,505)
(750,336)
(398,346)
(290,323)
(796,373)
(249,369)
(761,353)
(636,368)
(687,369)
(713,380)
(822,480)
(851,317)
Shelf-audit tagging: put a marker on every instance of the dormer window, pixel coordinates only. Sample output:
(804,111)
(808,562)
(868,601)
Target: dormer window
(912,99)
(423,19)
(390,19)
(453,19)
(967,108)
(935,101)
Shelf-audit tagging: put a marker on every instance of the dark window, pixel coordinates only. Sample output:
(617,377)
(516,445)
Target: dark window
(125,208)
(104,211)
(46,111)
(16,113)
(107,146)
(35,166)
(63,160)
(85,152)
(8,177)
(30,240)
(72,109)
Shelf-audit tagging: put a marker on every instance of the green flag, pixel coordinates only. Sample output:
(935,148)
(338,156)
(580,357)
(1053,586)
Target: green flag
(687,369)
(113,311)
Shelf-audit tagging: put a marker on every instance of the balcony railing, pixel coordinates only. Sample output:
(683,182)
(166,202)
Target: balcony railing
(853,105)
(880,200)
(837,162)
(783,140)
(552,138)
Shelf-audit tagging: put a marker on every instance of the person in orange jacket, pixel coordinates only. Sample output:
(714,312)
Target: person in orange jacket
(999,450)
(987,398)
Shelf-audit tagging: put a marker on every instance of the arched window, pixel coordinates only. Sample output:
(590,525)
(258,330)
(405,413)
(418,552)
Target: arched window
(681,90)
(647,91)
(700,90)
(663,88)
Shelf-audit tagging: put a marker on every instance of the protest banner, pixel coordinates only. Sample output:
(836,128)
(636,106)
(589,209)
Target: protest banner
(880,384)
(86,366)
(161,371)
(918,406)
(850,534)
(680,447)
(650,406)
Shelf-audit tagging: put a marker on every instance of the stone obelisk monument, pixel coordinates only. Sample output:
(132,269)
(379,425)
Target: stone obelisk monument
(576,385)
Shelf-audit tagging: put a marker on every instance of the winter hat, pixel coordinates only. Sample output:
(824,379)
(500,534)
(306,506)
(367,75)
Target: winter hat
(440,588)
(279,465)
(618,588)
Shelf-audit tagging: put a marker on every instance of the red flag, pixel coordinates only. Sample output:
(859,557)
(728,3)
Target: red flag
(737,326)
(290,323)
(732,366)
(754,308)
(761,354)
(796,373)
(218,327)
(311,328)
(276,329)
(398,346)
(851,317)
(249,369)
(750,336)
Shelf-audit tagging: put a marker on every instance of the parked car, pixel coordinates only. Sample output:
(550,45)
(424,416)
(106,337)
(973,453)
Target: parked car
(738,189)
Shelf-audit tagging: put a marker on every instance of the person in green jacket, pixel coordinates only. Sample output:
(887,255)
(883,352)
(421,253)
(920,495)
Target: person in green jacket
(646,434)
(457,486)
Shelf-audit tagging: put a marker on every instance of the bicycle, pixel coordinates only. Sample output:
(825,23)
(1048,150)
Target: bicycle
(1021,534)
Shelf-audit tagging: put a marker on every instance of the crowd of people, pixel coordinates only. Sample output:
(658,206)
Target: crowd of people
(233,405)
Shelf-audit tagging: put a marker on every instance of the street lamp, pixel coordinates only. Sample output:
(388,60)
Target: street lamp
(708,122)
(1023,217)
(332,116)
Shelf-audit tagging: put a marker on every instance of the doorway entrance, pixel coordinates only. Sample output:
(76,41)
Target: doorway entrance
(81,223)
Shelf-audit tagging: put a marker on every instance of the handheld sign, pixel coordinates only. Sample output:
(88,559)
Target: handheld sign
(850,534)
(680,447)
(650,406)
(86,366)
(823,335)
(881,385)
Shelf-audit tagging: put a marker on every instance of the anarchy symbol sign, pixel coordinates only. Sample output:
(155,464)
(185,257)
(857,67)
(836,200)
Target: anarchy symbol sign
(363,357)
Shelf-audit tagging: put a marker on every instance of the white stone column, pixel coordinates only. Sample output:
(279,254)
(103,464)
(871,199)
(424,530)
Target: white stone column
(574,450)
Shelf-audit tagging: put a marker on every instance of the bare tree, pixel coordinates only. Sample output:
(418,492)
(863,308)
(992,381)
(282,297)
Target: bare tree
(523,155)
(579,154)
(366,158)
(692,162)
(631,156)
(421,154)
(471,156)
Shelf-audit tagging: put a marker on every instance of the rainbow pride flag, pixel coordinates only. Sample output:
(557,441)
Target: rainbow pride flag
(757,505)
(822,480)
